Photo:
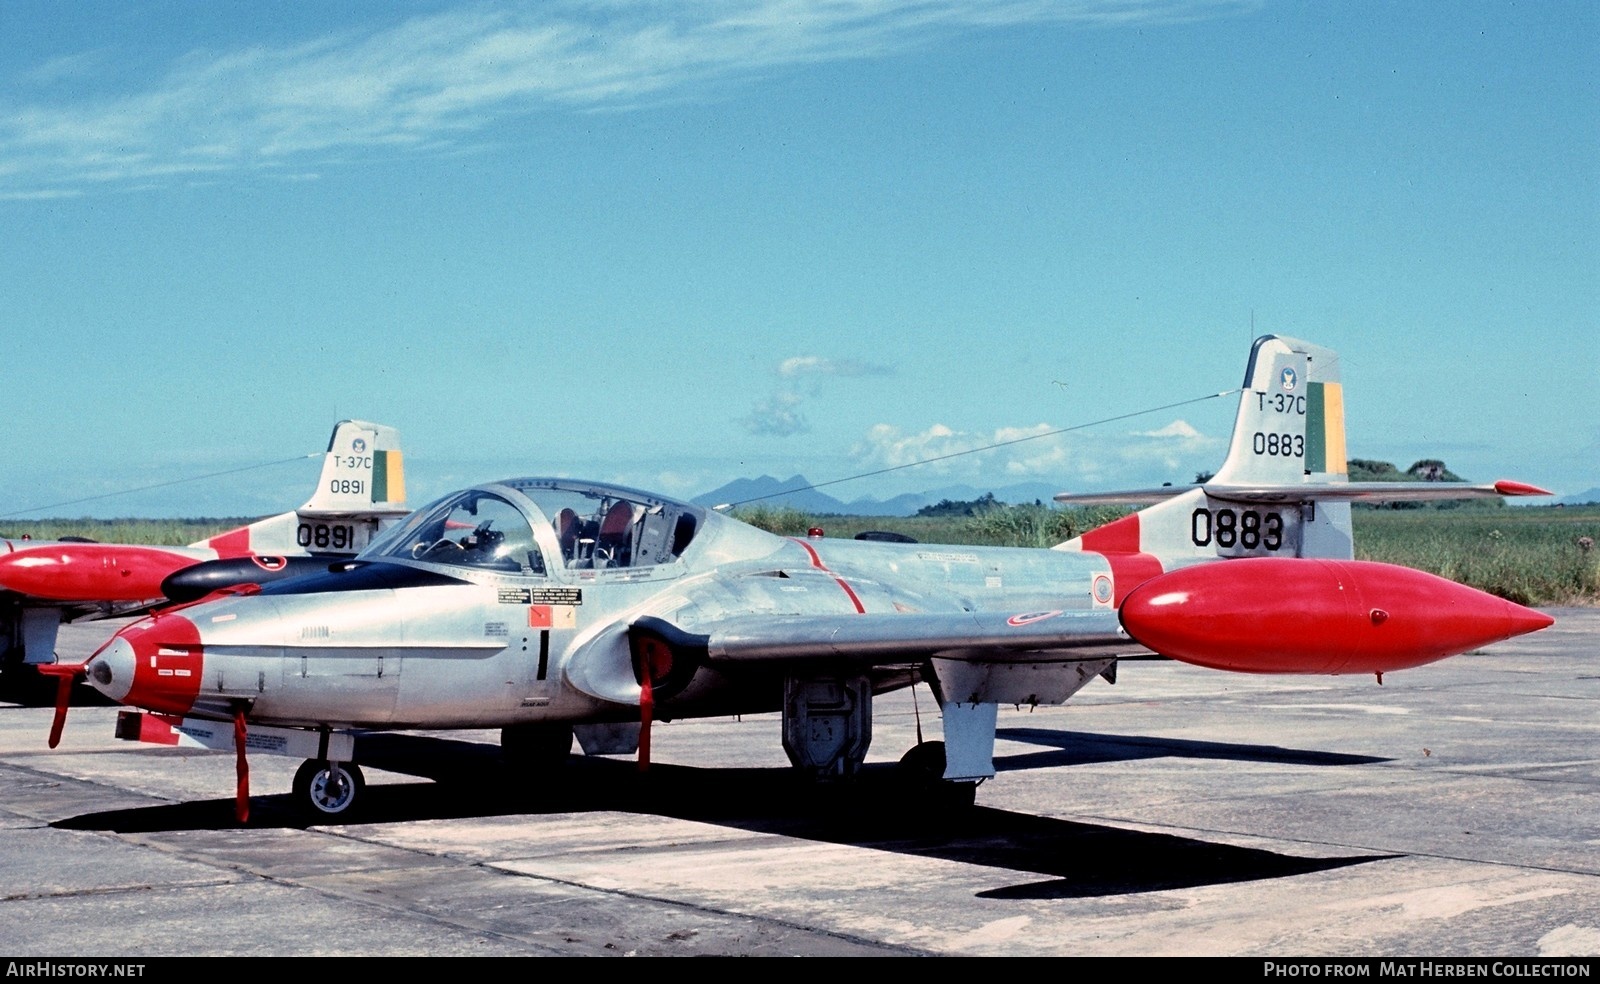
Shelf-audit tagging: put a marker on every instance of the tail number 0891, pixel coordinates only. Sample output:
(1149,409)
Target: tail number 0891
(327,536)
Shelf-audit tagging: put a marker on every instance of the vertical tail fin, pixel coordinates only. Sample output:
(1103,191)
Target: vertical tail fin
(1288,442)
(1284,488)
(1287,445)
(1290,425)
(362,472)
(362,486)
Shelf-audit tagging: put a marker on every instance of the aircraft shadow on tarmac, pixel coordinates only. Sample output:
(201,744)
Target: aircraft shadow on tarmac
(880,809)
(1083,748)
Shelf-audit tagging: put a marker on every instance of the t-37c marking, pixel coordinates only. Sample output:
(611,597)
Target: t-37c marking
(548,608)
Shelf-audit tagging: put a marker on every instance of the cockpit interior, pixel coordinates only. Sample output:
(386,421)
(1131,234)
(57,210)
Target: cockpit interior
(590,526)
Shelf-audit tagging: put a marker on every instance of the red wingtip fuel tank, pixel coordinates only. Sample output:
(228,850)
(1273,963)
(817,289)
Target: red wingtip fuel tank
(91,571)
(1303,615)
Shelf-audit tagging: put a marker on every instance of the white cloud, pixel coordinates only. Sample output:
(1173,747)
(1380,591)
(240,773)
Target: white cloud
(1044,452)
(437,82)
(1180,429)
(803,365)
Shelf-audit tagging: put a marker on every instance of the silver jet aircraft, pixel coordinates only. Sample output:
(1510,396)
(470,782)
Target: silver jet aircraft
(552,609)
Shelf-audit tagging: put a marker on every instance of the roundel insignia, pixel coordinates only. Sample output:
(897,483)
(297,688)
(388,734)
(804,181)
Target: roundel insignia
(1102,589)
(270,563)
(1031,617)
(1289,377)
(360,444)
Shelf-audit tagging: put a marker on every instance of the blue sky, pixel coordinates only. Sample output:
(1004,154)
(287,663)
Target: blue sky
(676,244)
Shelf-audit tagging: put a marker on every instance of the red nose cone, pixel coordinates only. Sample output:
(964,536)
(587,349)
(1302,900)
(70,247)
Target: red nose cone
(155,663)
(90,571)
(1289,615)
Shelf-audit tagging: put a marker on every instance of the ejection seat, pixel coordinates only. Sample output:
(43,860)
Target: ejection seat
(614,543)
(567,527)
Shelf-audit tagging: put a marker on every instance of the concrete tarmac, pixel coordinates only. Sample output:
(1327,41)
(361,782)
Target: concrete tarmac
(1453,811)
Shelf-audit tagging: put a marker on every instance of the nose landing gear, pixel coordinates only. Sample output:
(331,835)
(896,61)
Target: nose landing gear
(325,790)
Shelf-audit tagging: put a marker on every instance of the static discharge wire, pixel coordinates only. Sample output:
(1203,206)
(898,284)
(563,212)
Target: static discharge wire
(161,485)
(987,447)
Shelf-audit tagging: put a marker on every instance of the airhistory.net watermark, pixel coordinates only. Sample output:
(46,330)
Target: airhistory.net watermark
(64,968)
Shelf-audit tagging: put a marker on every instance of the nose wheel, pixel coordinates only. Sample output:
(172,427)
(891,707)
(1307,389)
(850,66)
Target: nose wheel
(325,790)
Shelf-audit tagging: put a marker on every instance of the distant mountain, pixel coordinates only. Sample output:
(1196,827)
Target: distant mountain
(1591,497)
(795,493)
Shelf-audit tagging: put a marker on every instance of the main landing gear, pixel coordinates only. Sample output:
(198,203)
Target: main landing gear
(827,727)
(923,770)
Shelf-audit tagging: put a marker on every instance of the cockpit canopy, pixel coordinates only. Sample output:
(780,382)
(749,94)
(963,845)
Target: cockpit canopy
(513,526)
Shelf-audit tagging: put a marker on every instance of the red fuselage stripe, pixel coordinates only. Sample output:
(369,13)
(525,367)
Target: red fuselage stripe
(234,543)
(816,561)
(1120,536)
(1128,571)
(1119,543)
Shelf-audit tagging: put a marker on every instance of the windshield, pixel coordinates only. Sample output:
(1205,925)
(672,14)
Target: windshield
(468,529)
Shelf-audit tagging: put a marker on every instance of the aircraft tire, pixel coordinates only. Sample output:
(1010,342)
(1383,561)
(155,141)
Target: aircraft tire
(925,759)
(319,796)
(923,767)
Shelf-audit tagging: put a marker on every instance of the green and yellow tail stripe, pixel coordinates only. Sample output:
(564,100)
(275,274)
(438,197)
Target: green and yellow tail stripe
(1325,450)
(388,477)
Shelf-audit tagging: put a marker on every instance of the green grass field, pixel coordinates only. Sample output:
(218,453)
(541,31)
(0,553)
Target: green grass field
(165,532)
(1532,555)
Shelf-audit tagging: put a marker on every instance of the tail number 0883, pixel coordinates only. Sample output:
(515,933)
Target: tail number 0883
(1244,529)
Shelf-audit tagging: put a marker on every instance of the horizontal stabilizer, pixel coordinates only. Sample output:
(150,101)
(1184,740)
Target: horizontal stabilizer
(1129,497)
(1308,492)
(1370,491)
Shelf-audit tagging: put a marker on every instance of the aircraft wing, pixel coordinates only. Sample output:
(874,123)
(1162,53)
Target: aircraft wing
(1055,652)
(897,638)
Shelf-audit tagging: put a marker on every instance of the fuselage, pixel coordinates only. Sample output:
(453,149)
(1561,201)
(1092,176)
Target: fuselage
(509,604)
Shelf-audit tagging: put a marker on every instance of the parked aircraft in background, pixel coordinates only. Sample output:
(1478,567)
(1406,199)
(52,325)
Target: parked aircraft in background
(43,583)
(550,608)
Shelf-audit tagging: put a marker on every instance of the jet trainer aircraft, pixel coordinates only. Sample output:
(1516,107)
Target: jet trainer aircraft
(549,608)
(45,582)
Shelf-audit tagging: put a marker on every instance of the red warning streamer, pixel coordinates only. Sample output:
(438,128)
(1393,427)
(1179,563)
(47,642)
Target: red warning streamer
(241,796)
